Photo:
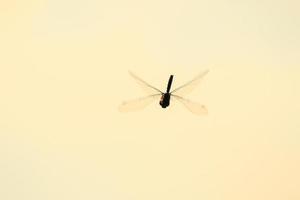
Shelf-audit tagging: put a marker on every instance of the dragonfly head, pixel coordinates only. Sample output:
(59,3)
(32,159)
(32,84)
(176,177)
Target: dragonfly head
(165,100)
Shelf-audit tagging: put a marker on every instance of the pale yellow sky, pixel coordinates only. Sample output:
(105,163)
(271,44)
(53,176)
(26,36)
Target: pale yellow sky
(63,73)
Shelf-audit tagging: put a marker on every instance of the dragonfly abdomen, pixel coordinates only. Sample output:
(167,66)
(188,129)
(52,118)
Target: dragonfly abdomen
(169,83)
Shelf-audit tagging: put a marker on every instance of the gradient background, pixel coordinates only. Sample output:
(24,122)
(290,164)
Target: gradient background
(63,73)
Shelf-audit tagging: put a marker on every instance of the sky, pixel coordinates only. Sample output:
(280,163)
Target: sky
(64,72)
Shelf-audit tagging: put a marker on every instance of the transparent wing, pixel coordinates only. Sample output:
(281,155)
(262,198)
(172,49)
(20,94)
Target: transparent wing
(138,104)
(149,89)
(194,107)
(189,86)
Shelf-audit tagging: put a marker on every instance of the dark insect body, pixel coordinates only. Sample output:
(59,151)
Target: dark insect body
(165,97)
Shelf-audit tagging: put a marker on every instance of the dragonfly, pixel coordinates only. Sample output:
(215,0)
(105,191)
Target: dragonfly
(165,97)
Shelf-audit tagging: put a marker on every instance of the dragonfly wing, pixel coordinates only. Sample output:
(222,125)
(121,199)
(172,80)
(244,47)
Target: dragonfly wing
(194,107)
(189,86)
(138,104)
(149,89)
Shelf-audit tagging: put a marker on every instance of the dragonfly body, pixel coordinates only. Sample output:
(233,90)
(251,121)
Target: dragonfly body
(165,98)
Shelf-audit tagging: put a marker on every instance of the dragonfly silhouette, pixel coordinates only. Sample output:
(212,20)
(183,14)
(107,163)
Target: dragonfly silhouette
(165,97)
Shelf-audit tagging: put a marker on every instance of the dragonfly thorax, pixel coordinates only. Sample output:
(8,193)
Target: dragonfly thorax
(165,100)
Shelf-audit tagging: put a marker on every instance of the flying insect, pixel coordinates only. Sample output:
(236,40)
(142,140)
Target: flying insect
(165,97)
